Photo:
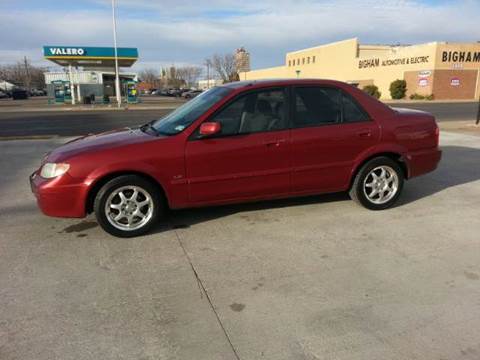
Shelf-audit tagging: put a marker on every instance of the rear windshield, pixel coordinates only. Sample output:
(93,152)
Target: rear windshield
(185,115)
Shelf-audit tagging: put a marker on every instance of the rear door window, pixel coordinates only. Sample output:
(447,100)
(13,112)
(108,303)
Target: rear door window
(352,111)
(315,105)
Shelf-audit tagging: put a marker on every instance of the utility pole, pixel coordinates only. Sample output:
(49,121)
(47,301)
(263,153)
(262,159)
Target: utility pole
(117,77)
(27,74)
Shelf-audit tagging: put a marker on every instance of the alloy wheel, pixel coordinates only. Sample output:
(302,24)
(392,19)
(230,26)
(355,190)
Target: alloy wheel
(129,208)
(381,184)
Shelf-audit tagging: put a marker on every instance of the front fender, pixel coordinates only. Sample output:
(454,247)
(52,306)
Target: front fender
(141,168)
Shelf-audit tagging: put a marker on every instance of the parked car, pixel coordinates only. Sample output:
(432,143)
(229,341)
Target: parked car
(191,94)
(19,94)
(174,92)
(38,92)
(3,95)
(244,141)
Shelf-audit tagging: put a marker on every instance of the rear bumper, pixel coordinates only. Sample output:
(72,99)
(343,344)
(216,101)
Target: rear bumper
(57,197)
(423,161)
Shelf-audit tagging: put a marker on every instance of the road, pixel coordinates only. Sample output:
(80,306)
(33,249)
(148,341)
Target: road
(445,111)
(298,279)
(72,123)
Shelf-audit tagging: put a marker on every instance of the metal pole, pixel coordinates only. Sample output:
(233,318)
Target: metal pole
(117,77)
(77,78)
(478,90)
(478,113)
(72,87)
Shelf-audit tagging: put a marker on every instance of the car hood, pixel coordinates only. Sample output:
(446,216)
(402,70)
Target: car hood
(96,142)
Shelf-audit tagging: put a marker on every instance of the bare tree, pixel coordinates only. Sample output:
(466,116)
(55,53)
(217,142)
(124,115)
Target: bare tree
(23,74)
(189,74)
(225,66)
(149,76)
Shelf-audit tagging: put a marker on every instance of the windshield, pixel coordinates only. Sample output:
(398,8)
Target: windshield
(185,115)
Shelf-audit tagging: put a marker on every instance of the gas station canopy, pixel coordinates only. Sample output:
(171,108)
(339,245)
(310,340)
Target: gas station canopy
(103,57)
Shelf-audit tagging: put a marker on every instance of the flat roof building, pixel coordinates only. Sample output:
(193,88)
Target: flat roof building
(444,70)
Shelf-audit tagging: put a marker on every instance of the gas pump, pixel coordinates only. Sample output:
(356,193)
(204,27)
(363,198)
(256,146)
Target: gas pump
(132,92)
(67,91)
(58,91)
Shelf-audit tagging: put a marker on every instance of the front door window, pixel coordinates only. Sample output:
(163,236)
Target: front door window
(258,111)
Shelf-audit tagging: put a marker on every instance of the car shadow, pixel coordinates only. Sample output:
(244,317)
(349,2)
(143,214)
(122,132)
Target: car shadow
(184,218)
(459,165)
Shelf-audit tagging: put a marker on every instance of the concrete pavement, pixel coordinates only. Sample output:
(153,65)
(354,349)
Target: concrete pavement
(314,278)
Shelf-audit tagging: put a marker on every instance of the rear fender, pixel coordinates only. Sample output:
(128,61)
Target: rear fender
(385,149)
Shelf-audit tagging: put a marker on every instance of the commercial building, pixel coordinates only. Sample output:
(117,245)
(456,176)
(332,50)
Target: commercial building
(242,60)
(87,70)
(207,84)
(444,70)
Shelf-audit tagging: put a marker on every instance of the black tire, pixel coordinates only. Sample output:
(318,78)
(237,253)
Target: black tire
(157,201)
(357,192)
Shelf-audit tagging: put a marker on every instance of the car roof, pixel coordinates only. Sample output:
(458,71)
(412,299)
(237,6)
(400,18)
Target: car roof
(279,82)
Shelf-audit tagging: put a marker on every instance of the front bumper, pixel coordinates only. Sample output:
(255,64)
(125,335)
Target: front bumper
(59,197)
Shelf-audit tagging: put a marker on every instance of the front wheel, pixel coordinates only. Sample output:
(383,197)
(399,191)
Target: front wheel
(378,184)
(128,206)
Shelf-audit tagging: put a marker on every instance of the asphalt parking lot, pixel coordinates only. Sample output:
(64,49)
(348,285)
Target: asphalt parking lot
(312,278)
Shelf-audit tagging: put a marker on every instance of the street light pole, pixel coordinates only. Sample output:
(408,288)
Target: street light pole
(117,77)
(207,62)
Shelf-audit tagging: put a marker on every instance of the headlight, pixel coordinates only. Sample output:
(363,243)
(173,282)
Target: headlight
(51,170)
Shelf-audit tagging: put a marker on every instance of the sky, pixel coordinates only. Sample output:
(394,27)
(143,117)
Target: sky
(186,32)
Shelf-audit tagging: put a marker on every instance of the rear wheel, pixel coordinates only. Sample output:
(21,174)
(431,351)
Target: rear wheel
(128,206)
(378,184)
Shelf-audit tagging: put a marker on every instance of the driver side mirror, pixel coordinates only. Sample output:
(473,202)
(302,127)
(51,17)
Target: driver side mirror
(210,128)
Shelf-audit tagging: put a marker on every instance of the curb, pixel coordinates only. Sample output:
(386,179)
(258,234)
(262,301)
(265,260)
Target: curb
(75,109)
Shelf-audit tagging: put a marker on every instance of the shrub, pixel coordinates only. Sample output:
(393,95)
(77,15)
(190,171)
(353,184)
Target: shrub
(372,90)
(416,97)
(398,89)
(421,97)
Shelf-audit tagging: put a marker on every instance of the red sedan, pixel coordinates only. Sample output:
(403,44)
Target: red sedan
(244,141)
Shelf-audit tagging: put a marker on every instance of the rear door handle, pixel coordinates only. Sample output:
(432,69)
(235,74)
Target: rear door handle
(364,133)
(275,143)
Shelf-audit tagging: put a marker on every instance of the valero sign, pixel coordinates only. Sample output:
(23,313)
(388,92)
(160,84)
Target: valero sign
(90,52)
(66,51)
